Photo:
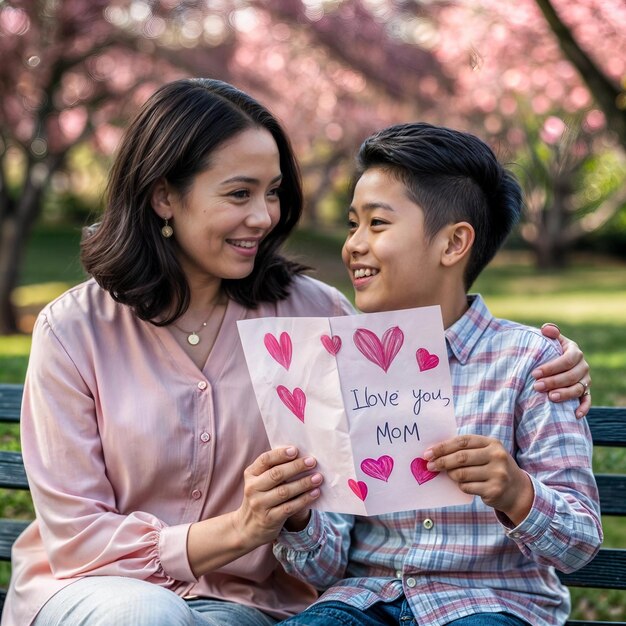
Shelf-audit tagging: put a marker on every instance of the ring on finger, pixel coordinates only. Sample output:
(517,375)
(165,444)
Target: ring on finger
(585,387)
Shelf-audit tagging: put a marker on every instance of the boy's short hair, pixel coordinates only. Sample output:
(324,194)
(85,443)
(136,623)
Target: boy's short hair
(453,176)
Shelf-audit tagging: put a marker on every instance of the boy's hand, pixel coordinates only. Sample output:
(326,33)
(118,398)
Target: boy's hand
(566,377)
(482,467)
(272,493)
(298,522)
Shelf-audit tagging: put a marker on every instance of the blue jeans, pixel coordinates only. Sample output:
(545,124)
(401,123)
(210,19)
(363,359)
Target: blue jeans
(119,601)
(398,612)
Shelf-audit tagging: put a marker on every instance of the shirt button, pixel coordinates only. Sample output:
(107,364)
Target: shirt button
(411,582)
(196,494)
(398,573)
(202,385)
(205,437)
(428,523)
(310,532)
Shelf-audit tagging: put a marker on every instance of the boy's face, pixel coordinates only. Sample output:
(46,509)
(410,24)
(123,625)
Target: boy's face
(388,256)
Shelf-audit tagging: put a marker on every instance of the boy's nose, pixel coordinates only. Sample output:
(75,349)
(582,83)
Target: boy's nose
(356,245)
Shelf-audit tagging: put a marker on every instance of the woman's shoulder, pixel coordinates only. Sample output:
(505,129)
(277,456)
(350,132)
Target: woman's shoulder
(82,303)
(311,297)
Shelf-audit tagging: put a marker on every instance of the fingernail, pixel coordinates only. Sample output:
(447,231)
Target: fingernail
(291,451)
(551,324)
(428,454)
(315,493)
(580,415)
(316,479)
(430,466)
(537,374)
(309,461)
(541,386)
(555,396)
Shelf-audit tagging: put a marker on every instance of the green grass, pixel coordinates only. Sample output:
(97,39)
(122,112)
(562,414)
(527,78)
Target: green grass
(587,300)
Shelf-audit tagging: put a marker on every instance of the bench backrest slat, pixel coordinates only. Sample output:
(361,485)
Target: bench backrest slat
(10,402)
(9,531)
(608,426)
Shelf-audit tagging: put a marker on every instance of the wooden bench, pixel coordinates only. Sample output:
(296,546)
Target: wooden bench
(606,571)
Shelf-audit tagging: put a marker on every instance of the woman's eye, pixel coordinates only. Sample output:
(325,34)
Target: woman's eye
(241,194)
(274,193)
(377,222)
(352,225)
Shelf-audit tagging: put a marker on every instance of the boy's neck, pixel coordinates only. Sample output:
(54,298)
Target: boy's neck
(453,305)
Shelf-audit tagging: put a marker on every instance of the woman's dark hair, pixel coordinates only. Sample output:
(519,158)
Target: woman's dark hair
(453,176)
(173,138)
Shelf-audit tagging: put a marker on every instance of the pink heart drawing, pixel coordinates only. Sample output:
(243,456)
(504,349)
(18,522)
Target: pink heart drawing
(281,352)
(426,360)
(378,468)
(359,488)
(420,472)
(295,401)
(380,352)
(332,344)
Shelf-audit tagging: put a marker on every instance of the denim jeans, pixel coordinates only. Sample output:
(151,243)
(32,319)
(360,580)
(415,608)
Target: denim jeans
(119,601)
(384,614)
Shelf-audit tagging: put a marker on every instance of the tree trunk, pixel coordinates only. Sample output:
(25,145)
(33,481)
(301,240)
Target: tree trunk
(15,230)
(8,274)
(550,254)
(551,246)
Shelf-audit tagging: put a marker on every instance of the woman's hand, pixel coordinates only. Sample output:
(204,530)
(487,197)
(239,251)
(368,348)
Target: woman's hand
(567,376)
(481,466)
(275,489)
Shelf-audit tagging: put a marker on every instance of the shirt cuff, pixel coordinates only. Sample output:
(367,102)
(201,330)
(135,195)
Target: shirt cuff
(173,553)
(537,522)
(305,540)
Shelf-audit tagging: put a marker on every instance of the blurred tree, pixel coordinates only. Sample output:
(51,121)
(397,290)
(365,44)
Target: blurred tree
(572,187)
(607,92)
(517,84)
(56,75)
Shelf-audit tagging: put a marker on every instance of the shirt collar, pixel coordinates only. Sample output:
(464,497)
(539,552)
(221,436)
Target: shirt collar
(466,332)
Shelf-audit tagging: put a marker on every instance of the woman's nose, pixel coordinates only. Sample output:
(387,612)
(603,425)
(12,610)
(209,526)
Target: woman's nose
(261,214)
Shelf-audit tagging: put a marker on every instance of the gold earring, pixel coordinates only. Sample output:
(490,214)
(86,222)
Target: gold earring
(167,231)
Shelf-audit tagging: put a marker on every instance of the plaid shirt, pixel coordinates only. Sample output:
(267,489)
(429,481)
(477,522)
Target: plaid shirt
(460,560)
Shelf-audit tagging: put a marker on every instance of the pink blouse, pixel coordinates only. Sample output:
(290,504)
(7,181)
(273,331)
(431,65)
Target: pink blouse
(126,443)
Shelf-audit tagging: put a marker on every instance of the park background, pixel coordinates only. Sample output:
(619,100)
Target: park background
(543,81)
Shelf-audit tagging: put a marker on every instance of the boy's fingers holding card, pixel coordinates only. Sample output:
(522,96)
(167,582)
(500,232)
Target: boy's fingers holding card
(457,452)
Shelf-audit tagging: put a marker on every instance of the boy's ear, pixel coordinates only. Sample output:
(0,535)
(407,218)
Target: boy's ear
(458,243)
(160,198)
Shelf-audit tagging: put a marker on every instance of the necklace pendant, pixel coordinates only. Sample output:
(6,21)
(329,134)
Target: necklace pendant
(193,339)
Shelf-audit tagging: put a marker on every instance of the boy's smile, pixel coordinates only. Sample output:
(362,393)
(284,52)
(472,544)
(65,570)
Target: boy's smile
(391,262)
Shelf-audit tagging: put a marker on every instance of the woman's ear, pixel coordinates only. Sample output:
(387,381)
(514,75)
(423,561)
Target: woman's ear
(459,240)
(160,198)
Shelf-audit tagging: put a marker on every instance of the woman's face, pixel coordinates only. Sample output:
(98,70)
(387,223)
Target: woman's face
(229,209)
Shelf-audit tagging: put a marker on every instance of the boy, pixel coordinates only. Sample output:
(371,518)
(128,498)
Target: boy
(431,208)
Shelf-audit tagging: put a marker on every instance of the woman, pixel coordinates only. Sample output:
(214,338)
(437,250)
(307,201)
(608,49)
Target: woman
(139,420)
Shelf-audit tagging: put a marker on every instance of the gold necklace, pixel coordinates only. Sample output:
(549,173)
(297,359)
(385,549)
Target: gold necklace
(193,337)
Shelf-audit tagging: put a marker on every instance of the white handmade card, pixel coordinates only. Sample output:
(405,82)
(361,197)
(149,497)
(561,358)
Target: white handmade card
(365,395)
